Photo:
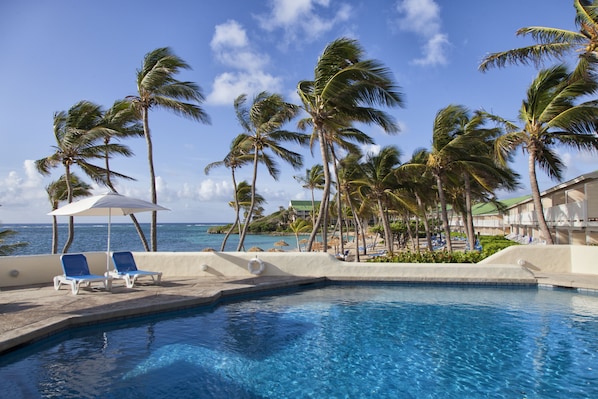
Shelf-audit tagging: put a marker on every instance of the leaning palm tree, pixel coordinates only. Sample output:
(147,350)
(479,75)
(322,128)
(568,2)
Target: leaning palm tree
(157,87)
(262,123)
(555,43)
(299,226)
(551,116)
(421,184)
(242,200)
(313,180)
(349,172)
(378,182)
(77,133)
(456,139)
(236,157)
(344,140)
(346,88)
(57,191)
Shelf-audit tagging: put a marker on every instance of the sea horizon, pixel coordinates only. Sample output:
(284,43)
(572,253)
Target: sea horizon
(172,237)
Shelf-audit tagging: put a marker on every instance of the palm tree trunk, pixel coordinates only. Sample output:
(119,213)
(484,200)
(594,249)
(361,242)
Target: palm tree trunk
(313,208)
(537,199)
(154,195)
(339,205)
(409,232)
(54,234)
(468,214)
(385,223)
(425,221)
(357,225)
(237,210)
(69,198)
(445,221)
(416,249)
(322,220)
(250,212)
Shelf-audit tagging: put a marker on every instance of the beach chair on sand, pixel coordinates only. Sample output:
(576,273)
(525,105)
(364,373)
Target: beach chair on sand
(76,273)
(126,269)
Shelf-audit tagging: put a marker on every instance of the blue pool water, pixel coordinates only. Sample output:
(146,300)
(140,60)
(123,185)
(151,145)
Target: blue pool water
(380,341)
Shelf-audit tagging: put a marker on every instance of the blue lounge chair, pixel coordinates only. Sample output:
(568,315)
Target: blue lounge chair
(76,273)
(125,268)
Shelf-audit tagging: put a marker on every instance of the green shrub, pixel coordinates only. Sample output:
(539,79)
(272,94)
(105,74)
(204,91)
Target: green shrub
(490,246)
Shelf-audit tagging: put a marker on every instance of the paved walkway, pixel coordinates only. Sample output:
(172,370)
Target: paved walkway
(32,313)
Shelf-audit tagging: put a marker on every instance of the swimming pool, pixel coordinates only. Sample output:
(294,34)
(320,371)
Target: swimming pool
(345,341)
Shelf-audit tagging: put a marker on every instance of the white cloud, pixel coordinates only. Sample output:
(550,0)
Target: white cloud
(229,85)
(210,190)
(302,19)
(422,17)
(19,191)
(232,48)
(434,51)
(227,35)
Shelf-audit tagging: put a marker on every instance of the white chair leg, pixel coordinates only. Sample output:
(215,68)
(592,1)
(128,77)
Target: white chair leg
(56,283)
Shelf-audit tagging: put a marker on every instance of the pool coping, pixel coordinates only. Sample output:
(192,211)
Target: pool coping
(30,314)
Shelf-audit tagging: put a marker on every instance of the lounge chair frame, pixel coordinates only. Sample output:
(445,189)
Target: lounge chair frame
(77,274)
(125,268)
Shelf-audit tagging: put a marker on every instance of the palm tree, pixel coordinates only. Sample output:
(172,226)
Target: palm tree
(345,89)
(236,157)
(299,226)
(551,117)
(421,184)
(120,121)
(349,172)
(262,123)
(57,192)
(555,43)
(458,139)
(157,87)
(77,133)
(378,183)
(313,180)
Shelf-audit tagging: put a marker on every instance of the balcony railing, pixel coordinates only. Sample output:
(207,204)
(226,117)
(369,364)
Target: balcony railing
(573,214)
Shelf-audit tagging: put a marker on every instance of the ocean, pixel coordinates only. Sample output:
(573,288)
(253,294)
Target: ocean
(176,237)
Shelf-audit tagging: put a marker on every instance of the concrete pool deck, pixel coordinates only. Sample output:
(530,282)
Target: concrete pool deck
(28,314)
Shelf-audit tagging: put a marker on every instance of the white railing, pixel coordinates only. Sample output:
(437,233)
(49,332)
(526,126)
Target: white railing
(523,218)
(572,214)
(488,223)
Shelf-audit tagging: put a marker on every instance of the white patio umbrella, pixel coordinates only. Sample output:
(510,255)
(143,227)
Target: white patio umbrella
(108,204)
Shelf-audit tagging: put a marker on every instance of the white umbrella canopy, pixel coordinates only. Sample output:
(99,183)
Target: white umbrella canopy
(107,204)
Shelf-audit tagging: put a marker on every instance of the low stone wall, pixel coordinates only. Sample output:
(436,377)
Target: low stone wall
(580,259)
(18,271)
(511,264)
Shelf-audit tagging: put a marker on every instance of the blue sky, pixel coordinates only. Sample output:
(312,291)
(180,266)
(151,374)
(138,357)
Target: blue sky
(56,53)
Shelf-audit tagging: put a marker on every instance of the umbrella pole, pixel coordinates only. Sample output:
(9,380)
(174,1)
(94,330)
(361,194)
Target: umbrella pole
(108,251)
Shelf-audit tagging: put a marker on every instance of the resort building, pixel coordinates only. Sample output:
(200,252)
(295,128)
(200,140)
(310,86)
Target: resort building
(303,209)
(570,209)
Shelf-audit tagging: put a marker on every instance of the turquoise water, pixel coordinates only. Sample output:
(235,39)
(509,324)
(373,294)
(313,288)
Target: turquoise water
(178,237)
(380,341)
